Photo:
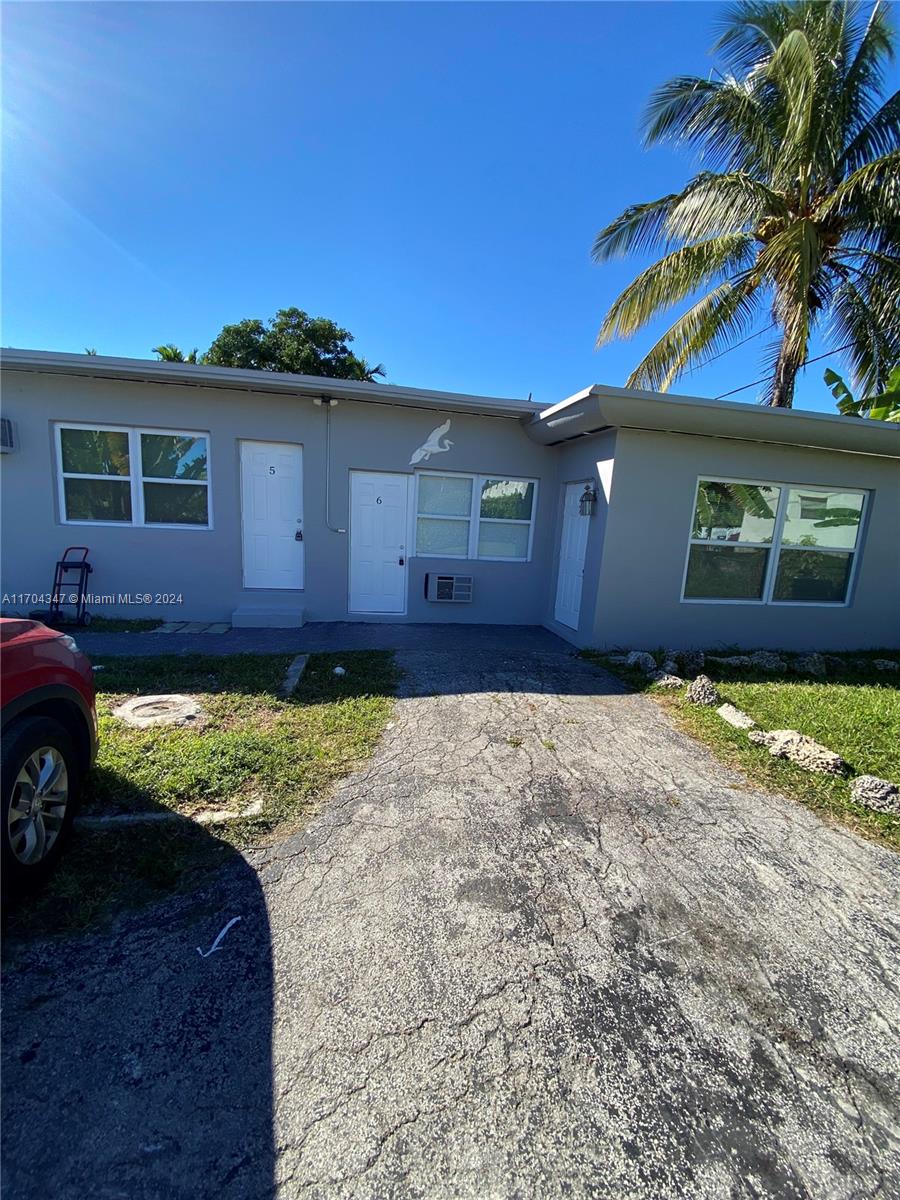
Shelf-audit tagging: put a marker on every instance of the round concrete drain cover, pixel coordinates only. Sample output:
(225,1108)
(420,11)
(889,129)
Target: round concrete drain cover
(143,711)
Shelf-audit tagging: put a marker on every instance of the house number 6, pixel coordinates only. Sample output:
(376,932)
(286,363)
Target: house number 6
(377,499)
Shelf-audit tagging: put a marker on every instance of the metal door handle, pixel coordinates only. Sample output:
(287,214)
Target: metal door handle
(298,536)
(401,562)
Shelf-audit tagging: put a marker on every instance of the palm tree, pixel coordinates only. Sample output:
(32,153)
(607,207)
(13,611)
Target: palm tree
(796,209)
(364,371)
(172,353)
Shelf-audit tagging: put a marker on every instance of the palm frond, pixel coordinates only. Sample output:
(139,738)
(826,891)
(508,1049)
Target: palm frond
(878,136)
(802,172)
(792,69)
(168,352)
(871,348)
(722,119)
(725,312)
(863,78)
(750,32)
(876,183)
(671,279)
(639,228)
(717,204)
(791,260)
(881,265)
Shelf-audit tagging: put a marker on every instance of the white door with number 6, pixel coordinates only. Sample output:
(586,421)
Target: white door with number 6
(378,532)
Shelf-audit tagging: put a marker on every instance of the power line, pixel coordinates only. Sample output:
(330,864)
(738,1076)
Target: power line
(728,349)
(805,363)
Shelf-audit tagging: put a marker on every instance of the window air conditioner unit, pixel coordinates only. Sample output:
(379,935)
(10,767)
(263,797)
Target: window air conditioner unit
(7,435)
(448,589)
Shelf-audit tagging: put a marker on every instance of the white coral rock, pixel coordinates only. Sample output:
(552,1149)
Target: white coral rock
(692,661)
(736,717)
(876,793)
(643,661)
(765,660)
(703,691)
(666,679)
(810,664)
(800,749)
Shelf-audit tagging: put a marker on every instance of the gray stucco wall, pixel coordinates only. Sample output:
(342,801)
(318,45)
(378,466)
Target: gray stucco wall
(205,565)
(638,597)
(636,542)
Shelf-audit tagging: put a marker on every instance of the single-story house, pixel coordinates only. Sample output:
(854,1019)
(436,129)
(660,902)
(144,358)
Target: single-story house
(614,518)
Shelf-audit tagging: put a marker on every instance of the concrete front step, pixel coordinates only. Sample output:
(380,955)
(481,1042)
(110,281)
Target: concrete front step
(259,616)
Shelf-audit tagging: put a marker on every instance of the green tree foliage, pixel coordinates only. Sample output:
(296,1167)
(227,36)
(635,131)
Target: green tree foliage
(795,216)
(291,341)
(724,506)
(173,456)
(95,452)
(881,406)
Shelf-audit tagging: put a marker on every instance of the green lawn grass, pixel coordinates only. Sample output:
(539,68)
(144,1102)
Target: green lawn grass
(856,714)
(97,624)
(254,750)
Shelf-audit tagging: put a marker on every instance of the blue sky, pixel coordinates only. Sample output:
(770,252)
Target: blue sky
(430,176)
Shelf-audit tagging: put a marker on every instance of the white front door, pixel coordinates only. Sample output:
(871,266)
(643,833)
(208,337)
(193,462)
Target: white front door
(572,547)
(272,514)
(378,529)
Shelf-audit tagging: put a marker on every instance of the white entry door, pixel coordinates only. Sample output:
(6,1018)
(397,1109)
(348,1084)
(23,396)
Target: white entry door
(572,547)
(272,514)
(378,530)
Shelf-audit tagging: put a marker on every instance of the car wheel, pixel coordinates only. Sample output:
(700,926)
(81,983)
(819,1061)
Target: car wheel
(40,779)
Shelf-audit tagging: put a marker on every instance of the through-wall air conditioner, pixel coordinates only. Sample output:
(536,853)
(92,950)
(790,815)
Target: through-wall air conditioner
(7,435)
(448,589)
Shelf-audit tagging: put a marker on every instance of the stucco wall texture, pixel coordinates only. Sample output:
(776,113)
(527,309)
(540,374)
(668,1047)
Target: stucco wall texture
(636,547)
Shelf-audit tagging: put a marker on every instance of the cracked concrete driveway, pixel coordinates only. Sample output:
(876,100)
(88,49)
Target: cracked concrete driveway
(542,946)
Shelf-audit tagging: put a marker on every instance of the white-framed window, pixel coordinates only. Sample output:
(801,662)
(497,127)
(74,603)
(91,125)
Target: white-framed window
(772,543)
(475,516)
(120,475)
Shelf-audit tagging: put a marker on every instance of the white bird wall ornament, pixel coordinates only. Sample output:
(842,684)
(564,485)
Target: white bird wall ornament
(437,443)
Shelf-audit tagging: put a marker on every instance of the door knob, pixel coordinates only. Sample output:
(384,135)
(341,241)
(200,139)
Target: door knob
(298,536)
(401,562)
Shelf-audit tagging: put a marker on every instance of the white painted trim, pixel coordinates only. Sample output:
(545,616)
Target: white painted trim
(135,481)
(775,547)
(600,408)
(474,518)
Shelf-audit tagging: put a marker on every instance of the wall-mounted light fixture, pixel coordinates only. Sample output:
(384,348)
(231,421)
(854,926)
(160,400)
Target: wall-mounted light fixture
(587,505)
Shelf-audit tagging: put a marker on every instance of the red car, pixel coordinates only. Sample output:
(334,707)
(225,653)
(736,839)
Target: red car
(49,723)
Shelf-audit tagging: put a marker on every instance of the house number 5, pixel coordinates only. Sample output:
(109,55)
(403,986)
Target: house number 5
(271,470)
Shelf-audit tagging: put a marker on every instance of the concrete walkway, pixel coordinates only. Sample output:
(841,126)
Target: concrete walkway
(330,635)
(542,946)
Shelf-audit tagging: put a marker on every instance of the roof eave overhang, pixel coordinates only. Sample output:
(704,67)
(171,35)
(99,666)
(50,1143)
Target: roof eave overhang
(598,409)
(137,370)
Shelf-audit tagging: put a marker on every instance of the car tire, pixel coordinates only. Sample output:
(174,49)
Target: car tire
(34,747)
